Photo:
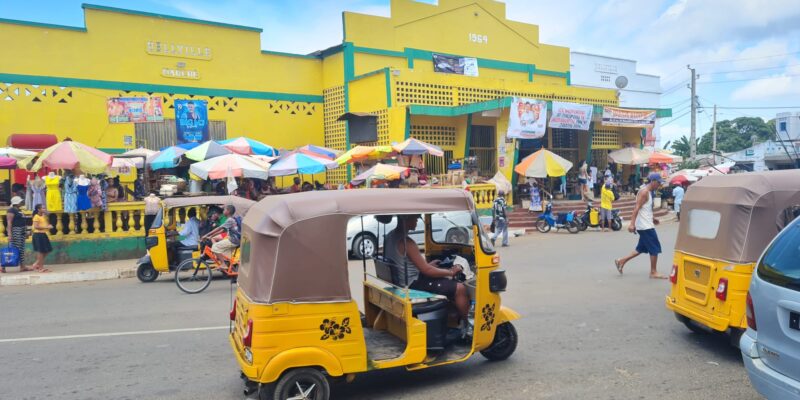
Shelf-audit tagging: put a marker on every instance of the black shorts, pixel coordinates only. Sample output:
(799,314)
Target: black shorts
(442,286)
(41,243)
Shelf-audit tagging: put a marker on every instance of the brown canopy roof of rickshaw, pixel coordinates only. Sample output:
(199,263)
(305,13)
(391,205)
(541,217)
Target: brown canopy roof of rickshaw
(241,204)
(296,242)
(752,212)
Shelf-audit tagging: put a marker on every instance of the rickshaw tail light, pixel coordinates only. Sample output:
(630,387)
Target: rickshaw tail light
(247,339)
(496,259)
(750,311)
(233,310)
(673,276)
(722,289)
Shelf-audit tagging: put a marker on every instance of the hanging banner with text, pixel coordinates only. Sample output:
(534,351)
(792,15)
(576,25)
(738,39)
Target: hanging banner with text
(571,116)
(613,116)
(527,118)
(455,65)
(122,110)
(191,121)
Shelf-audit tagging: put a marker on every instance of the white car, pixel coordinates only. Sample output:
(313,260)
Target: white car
(449,227)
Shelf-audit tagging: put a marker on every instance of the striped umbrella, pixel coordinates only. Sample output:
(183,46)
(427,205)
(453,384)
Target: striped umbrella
(231,165)
(363,153)
(630,156)
(167,158)
(383,172)
(17,154)
(319,150)
(207,150)
(542,164)
(247,146)
(71,155)
(301,163)
(414,147)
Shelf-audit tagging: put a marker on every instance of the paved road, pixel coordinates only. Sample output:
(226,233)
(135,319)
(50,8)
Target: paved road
(586,333)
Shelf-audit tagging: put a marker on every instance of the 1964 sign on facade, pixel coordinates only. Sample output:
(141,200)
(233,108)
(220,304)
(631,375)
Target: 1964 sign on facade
(168,49)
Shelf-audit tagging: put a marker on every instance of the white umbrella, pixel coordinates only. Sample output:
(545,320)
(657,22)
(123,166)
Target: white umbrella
(230,166)
(16,154)
(630,156)
(140,152)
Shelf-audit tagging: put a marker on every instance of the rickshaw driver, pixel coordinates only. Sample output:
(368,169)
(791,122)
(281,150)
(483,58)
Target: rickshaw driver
(231,226)
(404,252)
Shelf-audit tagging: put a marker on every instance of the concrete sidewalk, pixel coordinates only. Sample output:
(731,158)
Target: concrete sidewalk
(65,273)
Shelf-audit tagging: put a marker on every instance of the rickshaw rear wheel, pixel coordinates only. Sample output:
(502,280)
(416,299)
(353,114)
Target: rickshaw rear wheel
(690,325)
(504,343)
(146,273)
(301,383)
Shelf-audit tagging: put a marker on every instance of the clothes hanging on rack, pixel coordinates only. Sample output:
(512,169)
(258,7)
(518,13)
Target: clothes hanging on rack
(70,194)
(29,195)
(53,201)
(38,188)
(83,203)
(95,194)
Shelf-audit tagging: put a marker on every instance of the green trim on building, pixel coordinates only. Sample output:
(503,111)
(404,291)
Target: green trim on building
(329,51)
(349,62)
(468,135)
(349,75)
(146,87)
(387,72)
(569,78)
(531,71)
(660,112)
(368,74)
(379,52)
(514,175)
(547,72)
(169,17)
(92,250)
(442,111)
(41,25)
(280,53)
(112,150)
(589,146)
(409,57)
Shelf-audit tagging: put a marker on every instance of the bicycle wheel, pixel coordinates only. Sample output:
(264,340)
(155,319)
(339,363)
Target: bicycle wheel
(193,275)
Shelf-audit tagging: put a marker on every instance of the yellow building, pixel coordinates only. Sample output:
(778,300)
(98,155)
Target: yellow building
(57,80)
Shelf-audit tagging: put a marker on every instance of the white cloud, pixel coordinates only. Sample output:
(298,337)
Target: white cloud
(673,132)
(768,89)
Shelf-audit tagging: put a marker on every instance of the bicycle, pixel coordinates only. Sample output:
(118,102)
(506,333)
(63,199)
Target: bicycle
(194,275)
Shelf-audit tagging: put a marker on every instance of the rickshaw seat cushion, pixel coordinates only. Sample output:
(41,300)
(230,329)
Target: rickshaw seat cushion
(415,296)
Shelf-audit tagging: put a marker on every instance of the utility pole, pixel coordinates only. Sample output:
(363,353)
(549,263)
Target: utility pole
(714,143)
(693,132)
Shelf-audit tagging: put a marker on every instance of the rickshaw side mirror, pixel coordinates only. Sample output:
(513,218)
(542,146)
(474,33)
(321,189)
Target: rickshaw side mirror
(498,281)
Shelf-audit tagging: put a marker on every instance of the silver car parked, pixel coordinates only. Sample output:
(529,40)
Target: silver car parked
(771,345)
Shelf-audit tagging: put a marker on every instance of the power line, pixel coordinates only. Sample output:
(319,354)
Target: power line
(752,69)
(746,80)
(675,118)
(758,108)
(675,103)
(671,89)
(746,58)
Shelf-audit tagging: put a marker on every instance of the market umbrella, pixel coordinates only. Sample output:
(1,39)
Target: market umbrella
(362,153)
(382,172)
(414,147)
(140,152)
(207,150)
(7,163)
(186,146)
(167,158)
(301,163)
(542,164)
(71,155)
(247,146)
(630,156)
(17,154)
(319,150)
(231,165)
(660,158)
(132,162)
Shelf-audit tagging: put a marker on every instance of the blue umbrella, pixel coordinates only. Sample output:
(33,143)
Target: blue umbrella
(167,158)
(301,163)
(249,147)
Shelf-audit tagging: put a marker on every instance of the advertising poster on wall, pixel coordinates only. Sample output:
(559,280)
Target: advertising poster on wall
(191,120)
(123,110)
(455,65)
(571,116)
(613,116)
(527,118)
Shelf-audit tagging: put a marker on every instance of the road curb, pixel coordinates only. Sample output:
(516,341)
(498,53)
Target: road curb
(15,279)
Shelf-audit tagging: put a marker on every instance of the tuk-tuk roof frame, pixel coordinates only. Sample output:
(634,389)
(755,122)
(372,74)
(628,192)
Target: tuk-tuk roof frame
(242,205)
(751,206)
(296,242)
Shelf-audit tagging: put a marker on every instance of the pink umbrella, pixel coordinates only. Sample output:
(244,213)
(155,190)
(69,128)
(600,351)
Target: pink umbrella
(71,155)
(8,163)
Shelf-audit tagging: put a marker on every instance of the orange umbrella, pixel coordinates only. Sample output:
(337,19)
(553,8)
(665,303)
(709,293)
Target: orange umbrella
(660,158)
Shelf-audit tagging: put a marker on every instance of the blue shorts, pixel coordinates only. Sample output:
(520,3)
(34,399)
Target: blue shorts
(648,242)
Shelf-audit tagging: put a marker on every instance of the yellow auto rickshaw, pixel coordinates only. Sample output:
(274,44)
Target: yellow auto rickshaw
(296,322)
(162,234)
(726,223)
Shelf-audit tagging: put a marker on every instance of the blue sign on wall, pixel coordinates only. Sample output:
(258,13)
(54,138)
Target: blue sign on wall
(191,121)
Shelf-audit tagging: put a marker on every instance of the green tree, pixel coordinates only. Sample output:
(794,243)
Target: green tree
(681,146)
(736,134)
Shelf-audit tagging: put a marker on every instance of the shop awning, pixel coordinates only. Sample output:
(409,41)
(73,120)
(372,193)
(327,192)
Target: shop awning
(31,141)
(504,102)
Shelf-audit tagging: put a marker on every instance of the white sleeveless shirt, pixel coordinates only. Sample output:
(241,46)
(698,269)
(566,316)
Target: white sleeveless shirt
(644,220)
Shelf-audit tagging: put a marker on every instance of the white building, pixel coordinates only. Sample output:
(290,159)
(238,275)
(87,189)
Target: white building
(636,90)
(767,156)
(787,125)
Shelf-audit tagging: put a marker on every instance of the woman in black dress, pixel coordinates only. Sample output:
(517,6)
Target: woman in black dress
(16,230)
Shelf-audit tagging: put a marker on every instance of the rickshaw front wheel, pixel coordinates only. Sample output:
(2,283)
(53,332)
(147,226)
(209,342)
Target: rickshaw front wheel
(301,383)
(146,273)
(504,343)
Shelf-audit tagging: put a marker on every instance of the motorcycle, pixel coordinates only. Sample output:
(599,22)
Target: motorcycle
(560,221)
(586,218)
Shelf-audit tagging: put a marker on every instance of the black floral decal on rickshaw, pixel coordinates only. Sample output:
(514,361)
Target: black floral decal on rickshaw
(334,330)
(488,317)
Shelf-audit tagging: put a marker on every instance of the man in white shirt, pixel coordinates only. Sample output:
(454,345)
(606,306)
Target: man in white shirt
(677,194)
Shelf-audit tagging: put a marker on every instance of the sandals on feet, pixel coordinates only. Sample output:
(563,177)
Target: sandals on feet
(618,265)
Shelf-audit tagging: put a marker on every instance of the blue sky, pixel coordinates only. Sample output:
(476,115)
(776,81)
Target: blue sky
(747,52)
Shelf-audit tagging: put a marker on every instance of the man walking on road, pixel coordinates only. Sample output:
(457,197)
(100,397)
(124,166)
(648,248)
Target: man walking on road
(500,219)
(643,223)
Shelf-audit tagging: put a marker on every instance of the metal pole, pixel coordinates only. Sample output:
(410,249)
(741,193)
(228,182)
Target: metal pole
(693,132)
(714,143)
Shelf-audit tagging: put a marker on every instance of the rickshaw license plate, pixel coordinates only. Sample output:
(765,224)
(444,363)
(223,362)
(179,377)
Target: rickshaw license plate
(794,320)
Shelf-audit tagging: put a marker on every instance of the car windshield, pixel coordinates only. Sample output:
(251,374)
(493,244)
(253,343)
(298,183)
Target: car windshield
(780,265)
